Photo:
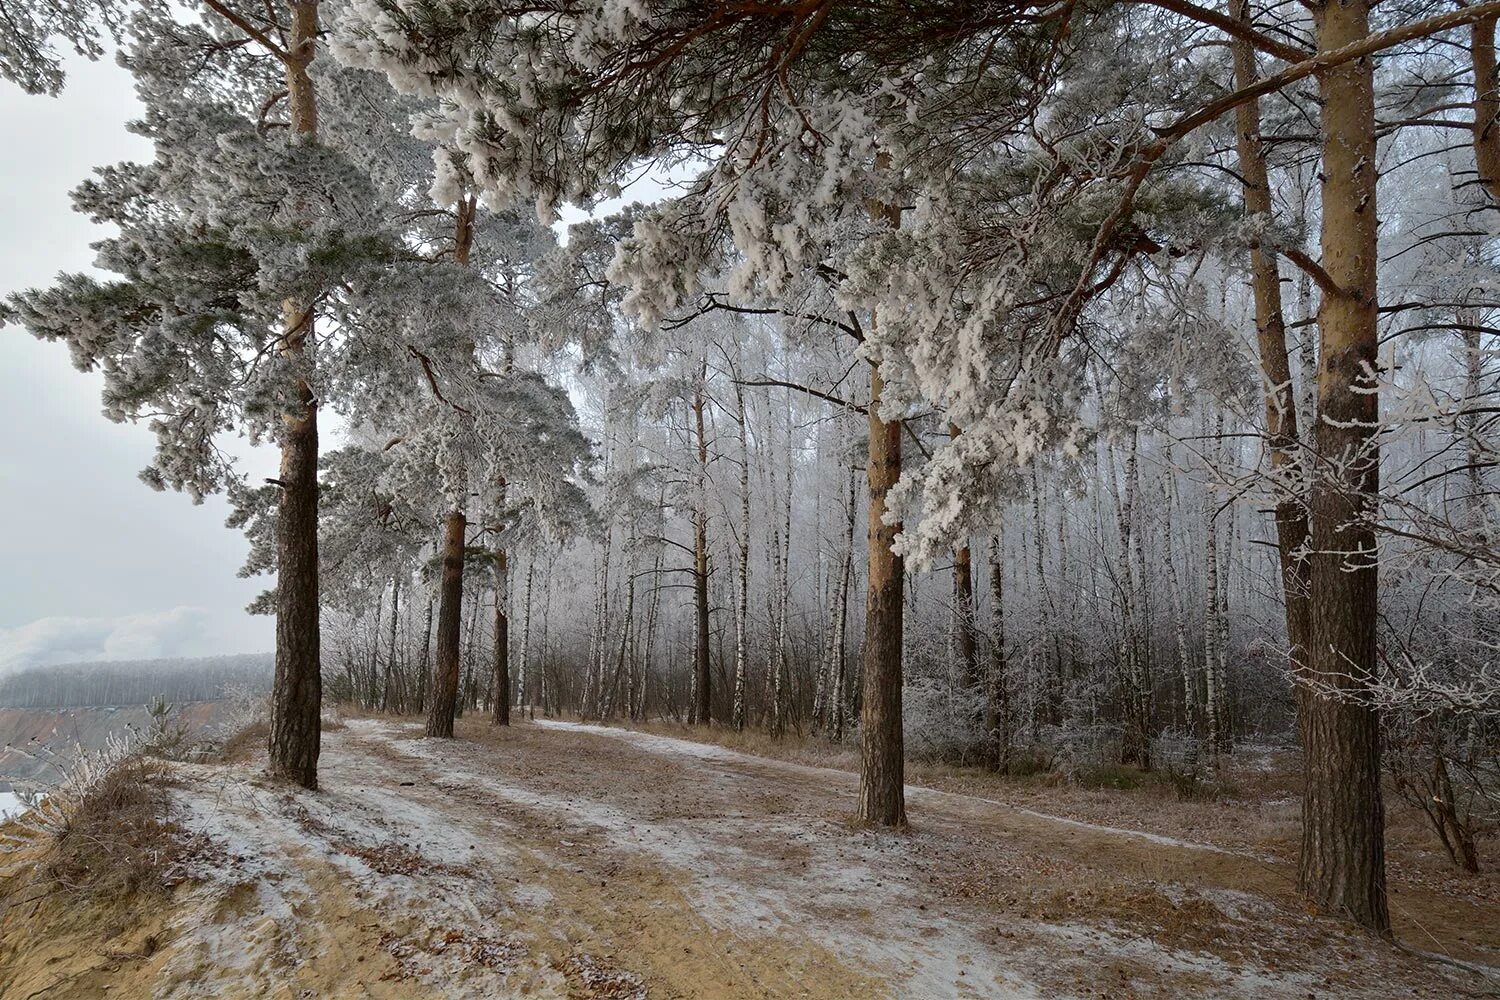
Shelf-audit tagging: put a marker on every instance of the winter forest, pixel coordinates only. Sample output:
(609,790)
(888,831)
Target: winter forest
(1090,391)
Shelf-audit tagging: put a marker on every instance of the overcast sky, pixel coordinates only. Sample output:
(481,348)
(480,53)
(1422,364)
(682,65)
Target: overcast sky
(93,563)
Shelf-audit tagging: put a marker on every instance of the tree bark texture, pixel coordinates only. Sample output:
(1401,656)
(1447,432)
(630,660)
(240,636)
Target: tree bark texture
(1342,864)
(443,704)
(297,691)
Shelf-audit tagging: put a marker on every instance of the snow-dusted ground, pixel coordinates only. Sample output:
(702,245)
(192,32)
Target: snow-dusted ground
(571,861)
(914,793)
(10,804)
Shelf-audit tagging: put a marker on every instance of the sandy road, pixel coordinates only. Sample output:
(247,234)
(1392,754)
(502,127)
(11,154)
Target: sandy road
(555,860)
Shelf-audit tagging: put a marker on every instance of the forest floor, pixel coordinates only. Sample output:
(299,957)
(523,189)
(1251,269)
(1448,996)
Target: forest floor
(558,860)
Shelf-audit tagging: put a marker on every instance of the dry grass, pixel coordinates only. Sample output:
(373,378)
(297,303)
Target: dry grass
(119,841)
(111,840)
(241,746)
(244,744)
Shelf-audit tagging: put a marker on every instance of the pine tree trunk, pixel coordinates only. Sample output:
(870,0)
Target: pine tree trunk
(443,704)
(1282,438)
(1486,105)
(1342,864)
(297,692)
(882,798)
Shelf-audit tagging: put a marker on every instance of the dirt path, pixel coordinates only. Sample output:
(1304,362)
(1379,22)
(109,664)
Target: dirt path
(554,860)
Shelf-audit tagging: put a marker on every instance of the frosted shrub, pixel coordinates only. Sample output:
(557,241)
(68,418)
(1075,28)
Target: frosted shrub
(943,722)
(244,708)
(246,721)
(52,809)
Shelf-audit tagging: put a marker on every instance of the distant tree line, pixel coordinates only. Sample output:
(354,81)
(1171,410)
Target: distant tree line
(134,682)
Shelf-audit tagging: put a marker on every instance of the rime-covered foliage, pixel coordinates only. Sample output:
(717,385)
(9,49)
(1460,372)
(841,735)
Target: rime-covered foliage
(34,35)
(231,218)
(234,217)
(799,131)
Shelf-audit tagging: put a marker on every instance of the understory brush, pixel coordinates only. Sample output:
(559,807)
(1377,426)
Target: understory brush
(104,831)
(245,725)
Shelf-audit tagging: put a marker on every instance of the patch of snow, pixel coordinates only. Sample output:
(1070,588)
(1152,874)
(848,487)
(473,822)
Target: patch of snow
(735,886)
(1229,979)
(708,751)
(397,855)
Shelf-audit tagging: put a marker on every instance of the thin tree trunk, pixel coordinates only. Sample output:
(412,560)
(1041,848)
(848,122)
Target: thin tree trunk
(704,702)
(841,613)
(594,678)
(502,640)
(547,694)
(1282,438)
(386,699)
(780,599)
(1137,746)
(1177,604)
(997,694)
(742,581)
(528,687)
(967,624)
(1212,654)
(1048,688)
(297,692)
(425,673)
(653,609)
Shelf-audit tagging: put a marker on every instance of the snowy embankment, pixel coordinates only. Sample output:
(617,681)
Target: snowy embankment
(569,861)
(10,804)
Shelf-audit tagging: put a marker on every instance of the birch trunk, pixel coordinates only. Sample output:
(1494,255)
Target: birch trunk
(742,576)
(703,702)
(997,694)
(841,619)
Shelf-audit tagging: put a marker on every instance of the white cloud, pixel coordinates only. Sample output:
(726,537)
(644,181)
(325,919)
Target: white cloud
(181,631)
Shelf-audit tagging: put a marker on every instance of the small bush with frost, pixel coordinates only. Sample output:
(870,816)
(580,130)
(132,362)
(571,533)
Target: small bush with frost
(102,829)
